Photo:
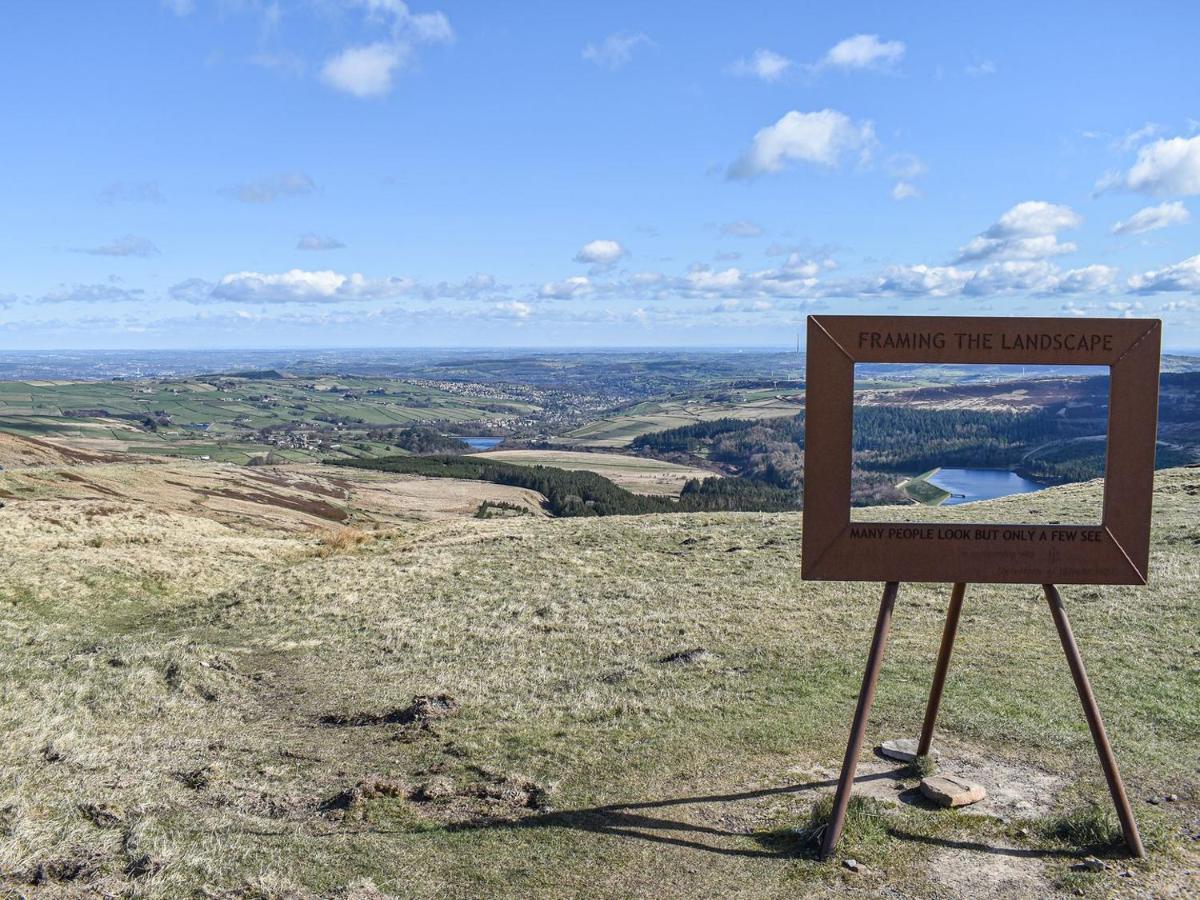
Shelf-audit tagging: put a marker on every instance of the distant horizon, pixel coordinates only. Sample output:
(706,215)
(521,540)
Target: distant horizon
(481,348)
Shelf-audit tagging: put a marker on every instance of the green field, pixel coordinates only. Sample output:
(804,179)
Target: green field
(618,430)
(922,490)
(217,416)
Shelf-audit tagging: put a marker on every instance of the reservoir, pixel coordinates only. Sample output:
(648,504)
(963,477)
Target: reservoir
(969,485)
(482,443)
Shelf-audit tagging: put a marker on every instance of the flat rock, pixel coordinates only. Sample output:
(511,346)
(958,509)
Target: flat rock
(904,750)
(950,790)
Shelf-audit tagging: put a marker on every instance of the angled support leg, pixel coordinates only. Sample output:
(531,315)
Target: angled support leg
(1108,761)
(841,799)
(943,665)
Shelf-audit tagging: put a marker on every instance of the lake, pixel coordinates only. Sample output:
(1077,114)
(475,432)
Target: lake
(969,485)
(481,443)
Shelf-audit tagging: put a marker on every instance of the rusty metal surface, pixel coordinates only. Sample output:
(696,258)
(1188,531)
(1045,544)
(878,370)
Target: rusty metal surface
(1114,552)
(1116,787)
(943,666)
(866,695)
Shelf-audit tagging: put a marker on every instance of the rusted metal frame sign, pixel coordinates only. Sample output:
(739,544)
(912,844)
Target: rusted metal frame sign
(1115,551)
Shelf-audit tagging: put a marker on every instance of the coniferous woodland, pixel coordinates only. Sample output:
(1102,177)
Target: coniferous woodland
(574,493)
(891,442)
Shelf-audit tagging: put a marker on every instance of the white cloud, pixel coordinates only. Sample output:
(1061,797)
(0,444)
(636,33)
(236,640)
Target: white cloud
(129,245)
(600,253)
(982,69)
(921,280)
(1137,136)
(706,281)
(364,71)
(1165,167)
(301,286)
(905,190)
(268,190)
(616,50)
(1153,217)
(1027,231)
(514,309)
(1092,279)
(318,242)
(566,289)
(368,70)
(180,7)
(479,283)
(742,228)
(1182,276)
(822,138)
(863,51)
(766,65)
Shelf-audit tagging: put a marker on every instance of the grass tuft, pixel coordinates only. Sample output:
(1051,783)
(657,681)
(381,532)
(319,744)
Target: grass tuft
(865,825)
(923,766)
(1089,827)
(340,540)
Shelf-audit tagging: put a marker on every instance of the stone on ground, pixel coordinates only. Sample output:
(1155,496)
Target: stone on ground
(950,790)
(904,750)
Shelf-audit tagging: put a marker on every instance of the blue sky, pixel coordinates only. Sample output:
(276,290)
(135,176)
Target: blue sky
(235,173)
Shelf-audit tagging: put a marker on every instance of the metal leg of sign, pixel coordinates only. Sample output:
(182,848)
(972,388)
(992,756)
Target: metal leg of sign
(841,799)
(1108,761)
(943,664)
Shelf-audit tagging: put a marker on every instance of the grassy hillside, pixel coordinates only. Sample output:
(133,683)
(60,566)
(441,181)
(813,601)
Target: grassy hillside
(658,415)
(628,706)
(634,473)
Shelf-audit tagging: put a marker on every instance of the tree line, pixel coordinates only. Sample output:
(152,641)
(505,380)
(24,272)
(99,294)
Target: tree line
(572,493)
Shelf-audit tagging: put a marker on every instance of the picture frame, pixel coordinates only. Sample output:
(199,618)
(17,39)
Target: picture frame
(1115,551)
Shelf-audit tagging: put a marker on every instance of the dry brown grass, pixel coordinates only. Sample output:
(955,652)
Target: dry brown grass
(341,540)
(181,706)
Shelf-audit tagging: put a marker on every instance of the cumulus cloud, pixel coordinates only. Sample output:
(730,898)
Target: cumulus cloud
(905,190)
(131,192)
(714,282)
(270,189)
(312,241)
(129,245)
(742,228)
(566,289)
(1092,279)
(327,287)
(1182,276)
(616,50)
(821,138)
(766,65)
(514,309)
(293,286)
(1153,217)
(863,51)
(1027,231)
(364,71)
(368,70)
(602,253)
(1164,167)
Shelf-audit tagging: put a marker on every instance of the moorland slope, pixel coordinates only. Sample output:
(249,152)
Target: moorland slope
(218,696)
